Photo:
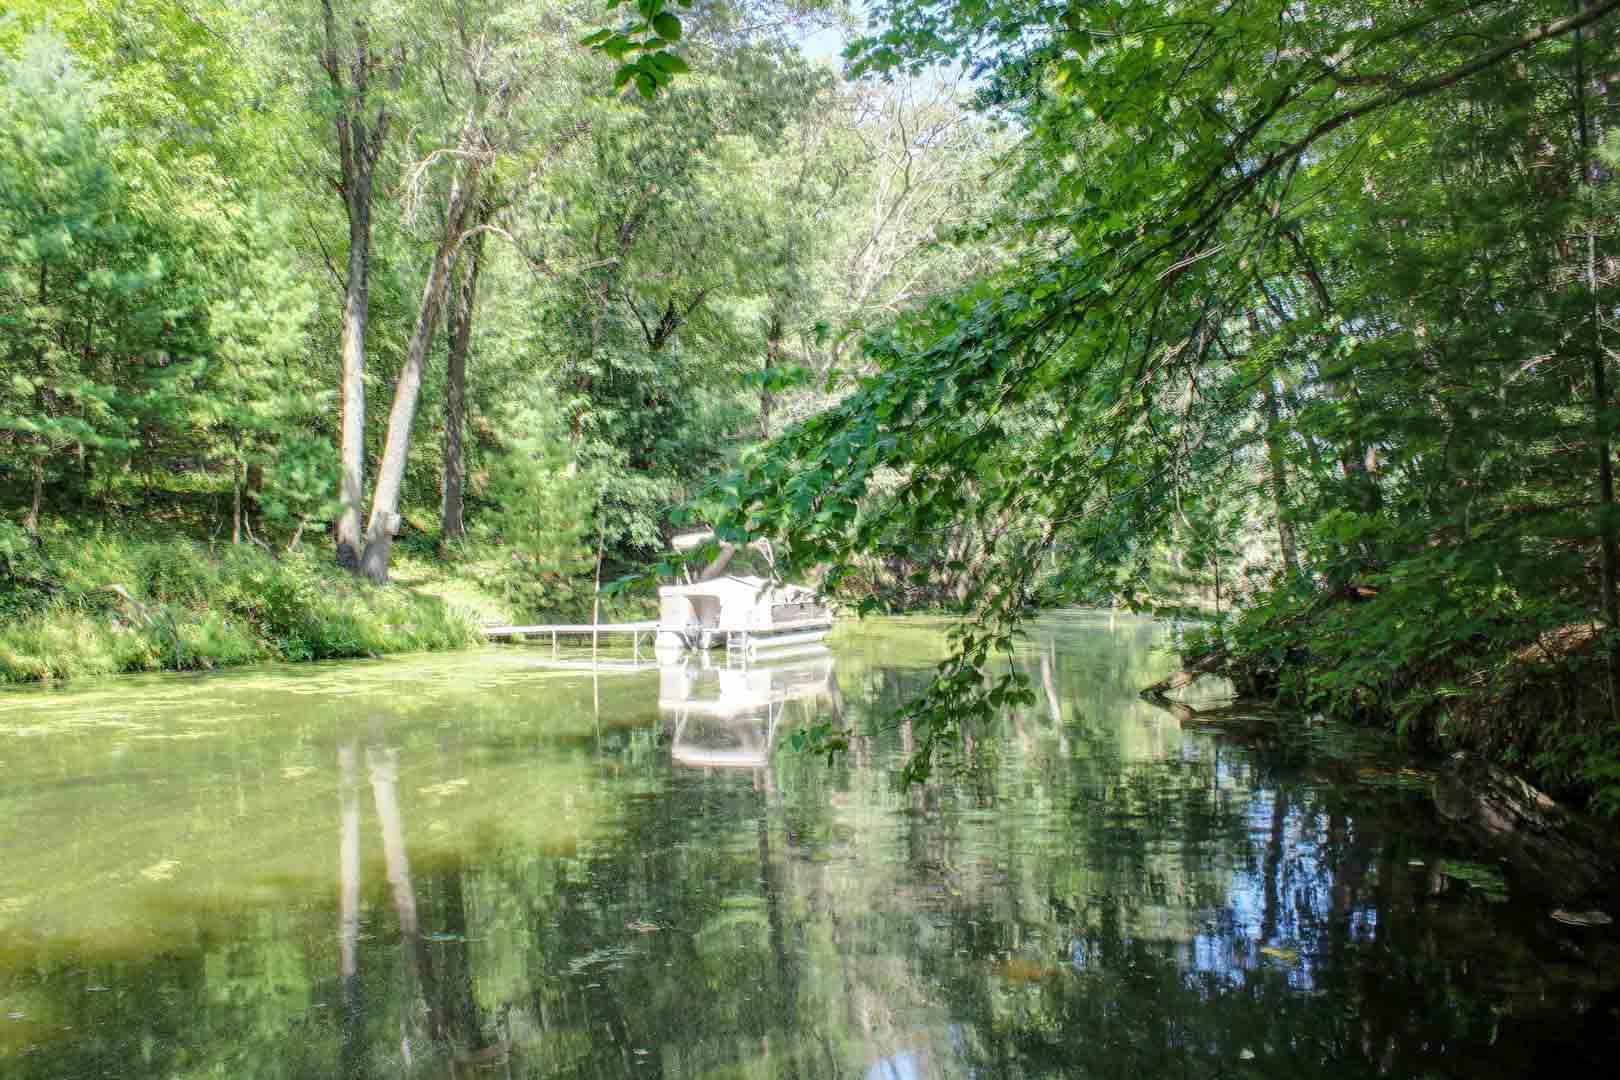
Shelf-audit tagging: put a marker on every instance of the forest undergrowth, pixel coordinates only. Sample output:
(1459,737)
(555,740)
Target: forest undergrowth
(1522,682)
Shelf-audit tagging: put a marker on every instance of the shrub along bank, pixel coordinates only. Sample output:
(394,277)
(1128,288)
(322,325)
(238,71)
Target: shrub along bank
(73,606)
(1447,663)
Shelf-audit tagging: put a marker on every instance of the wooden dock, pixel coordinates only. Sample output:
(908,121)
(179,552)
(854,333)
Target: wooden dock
(562,630)
(747,641)
(587,629)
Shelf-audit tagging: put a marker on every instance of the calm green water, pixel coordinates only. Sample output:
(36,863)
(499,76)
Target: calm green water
(484,865)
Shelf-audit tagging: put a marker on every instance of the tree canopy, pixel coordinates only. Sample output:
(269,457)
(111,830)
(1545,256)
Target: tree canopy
(1318,297)
(321,279)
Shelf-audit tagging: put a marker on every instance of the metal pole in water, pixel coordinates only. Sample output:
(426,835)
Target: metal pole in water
(596,602)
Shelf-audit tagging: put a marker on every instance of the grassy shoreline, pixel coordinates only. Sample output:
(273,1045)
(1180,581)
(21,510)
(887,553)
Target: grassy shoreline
(103,605)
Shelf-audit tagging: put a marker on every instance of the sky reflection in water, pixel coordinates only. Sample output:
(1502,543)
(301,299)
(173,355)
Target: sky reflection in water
(484,865)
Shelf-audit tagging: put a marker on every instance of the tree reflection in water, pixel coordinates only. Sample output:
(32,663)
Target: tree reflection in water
(633,875)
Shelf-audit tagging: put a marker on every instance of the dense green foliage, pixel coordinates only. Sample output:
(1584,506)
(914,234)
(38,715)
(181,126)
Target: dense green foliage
(1299,316)
(546,309)
(1308,311)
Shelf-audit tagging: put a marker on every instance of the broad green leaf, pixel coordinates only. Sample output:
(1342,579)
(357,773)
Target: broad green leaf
(667,26)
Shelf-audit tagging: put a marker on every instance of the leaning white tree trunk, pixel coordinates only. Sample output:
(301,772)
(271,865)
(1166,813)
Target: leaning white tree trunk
(352,434)
(358,152)
(384,520)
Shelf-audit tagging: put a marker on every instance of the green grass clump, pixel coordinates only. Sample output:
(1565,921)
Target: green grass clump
(99,605)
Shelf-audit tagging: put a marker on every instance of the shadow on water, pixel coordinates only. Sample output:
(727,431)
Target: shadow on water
(489,866)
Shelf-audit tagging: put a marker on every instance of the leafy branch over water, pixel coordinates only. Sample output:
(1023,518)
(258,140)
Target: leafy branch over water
(1286,287)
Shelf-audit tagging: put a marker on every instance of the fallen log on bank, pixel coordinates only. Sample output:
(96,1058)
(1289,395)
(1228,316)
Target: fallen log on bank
(1208,664)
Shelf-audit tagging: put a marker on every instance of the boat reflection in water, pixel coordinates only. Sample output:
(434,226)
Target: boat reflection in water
(726,717)
(497,865)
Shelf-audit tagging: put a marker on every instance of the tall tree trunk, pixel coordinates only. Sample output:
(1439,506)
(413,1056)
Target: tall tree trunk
(351,452)
(358,151)
(773,354)
(596,598)
(455,397)
(36,471)
(384,520)
(1276,462)
(253,494)
(1279,482)
(36,460)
